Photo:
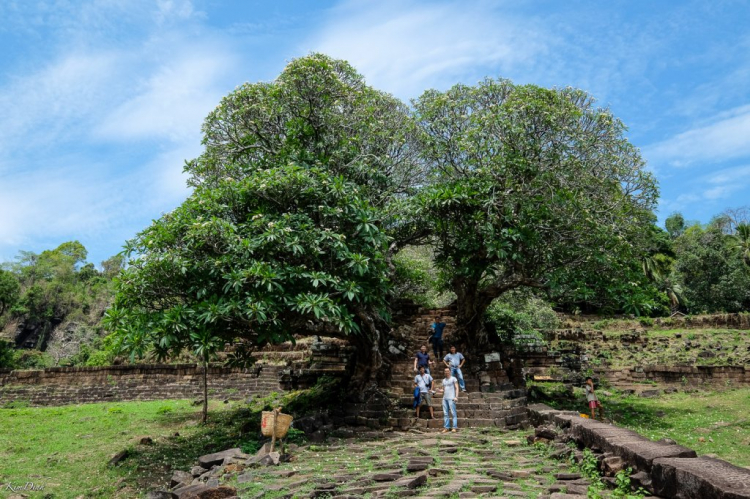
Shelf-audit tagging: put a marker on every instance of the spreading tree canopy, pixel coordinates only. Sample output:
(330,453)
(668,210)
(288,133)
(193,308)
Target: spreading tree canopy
(287,230)
(529,185)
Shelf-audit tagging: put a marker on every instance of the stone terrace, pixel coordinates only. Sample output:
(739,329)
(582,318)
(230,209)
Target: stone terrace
(470,463)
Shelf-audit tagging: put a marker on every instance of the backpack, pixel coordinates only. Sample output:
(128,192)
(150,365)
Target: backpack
(416,397)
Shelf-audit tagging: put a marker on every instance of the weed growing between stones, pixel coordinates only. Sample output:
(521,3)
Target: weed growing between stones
(623,488)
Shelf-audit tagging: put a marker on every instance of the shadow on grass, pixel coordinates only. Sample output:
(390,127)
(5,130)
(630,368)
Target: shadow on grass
(149,467)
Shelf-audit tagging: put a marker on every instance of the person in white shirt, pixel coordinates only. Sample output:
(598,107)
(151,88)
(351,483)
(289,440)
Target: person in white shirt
(450,397)
(455,361)
(425,383)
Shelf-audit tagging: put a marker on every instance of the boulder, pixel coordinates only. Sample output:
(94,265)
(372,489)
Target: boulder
(613,464)
(218,457)
(545,432)
(186,491)
(180,477)
(270,459)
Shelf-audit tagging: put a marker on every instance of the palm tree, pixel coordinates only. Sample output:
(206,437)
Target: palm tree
(741,242)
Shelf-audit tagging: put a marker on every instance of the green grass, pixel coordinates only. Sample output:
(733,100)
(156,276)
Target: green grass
(66,449)
(720,419)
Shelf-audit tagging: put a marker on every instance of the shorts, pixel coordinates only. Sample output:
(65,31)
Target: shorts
(593,404)
(425,398)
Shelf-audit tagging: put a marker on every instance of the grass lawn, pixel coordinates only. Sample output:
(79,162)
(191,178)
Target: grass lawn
(709,422)
(66,449)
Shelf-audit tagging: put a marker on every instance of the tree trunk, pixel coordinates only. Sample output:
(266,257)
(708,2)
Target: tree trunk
(205,392)
(370,344)
(470,335)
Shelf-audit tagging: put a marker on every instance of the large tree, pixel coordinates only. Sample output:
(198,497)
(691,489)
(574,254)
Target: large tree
(529,184)
(294,217)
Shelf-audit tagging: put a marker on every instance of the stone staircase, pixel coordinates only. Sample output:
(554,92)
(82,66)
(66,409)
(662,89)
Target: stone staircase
(500,404)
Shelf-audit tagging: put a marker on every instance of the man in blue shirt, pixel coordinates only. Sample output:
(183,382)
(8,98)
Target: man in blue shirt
(436,338)
(455,361)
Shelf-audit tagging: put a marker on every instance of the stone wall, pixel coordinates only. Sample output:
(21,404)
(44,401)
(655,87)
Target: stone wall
(68,385)
(715,376)
(662,468)
(296,366)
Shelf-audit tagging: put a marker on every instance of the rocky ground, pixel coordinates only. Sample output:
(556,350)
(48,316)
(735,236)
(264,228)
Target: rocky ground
(482,462)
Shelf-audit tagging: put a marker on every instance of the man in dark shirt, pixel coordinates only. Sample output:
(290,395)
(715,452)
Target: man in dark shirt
(436,338)
(422,359)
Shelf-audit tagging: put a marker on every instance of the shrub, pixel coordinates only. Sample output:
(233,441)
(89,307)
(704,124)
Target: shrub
(165,409)
(7,354)
(518,316)
(100,358)
(31,359)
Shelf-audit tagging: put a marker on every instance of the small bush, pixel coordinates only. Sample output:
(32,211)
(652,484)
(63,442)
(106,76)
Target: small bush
(165,409)
(100,358)
(646,321)
(16,404)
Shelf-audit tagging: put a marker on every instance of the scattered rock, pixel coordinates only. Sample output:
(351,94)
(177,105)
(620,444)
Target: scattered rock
(118,458)
(218,457)
(221,492)
(180,478)
(387,477)
(161,494)
(567,476)
(545,432)
(270,459)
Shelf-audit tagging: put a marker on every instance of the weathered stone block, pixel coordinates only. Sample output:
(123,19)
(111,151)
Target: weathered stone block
(699,478)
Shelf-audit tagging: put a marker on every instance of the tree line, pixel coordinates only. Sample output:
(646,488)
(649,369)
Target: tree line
(51,306)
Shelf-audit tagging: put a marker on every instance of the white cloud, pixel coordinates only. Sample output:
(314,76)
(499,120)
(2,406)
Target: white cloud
(58,99)
(173,10)
(724,138)
(406,47)
(711,188)
(172,101)
(79,201)
(730,175)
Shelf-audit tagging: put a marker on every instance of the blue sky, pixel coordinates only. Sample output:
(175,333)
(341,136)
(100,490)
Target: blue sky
(102,101)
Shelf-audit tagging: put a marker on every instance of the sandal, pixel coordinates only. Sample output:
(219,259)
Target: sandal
(445,430)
